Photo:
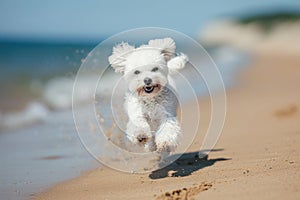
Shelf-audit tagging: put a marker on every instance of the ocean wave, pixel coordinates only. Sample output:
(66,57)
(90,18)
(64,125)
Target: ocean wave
(57,95)
(57,92)
(35,112)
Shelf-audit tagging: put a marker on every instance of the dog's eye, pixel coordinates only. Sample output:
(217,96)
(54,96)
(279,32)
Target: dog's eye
(136,72)
(154,69)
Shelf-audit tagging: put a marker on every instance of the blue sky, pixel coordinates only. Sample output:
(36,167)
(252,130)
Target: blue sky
(93,19)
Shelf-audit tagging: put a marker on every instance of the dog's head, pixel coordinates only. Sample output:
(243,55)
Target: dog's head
(146,68)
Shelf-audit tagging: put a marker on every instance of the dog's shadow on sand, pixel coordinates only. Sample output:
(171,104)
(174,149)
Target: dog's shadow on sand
(186,164)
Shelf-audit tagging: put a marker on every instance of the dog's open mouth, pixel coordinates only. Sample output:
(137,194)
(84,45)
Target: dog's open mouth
(148,88)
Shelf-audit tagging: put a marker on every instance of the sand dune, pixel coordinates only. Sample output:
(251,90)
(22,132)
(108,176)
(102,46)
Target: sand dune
(283,37)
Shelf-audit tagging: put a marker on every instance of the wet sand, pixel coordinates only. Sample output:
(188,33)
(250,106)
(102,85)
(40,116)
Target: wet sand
(257,155)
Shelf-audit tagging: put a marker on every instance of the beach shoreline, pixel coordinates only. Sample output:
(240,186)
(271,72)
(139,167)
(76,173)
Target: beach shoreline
(255,157)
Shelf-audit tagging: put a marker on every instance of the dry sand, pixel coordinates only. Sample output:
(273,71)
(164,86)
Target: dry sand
(257,156)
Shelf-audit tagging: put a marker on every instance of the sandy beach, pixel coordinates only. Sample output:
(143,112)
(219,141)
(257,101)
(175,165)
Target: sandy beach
(257,155)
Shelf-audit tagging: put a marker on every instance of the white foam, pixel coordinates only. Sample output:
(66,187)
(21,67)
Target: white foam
(35,112)
(57,92)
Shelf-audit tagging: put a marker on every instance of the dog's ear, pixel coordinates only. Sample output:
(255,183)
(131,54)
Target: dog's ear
(166,46)
(118,57)
(177,63)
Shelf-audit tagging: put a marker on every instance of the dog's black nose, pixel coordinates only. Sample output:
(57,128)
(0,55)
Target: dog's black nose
(147,81)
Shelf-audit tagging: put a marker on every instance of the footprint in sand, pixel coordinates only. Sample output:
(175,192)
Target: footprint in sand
(287,111)
(184,193)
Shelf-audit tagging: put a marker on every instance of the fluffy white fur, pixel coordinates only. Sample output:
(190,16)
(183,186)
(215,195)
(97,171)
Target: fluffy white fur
(150,101)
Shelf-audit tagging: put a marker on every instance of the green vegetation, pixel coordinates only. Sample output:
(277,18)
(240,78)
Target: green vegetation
(268,21)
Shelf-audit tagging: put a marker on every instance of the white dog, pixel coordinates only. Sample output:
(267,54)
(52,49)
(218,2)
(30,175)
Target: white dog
(150,101)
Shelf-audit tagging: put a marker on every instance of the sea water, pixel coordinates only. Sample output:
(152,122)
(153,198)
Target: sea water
(39,145)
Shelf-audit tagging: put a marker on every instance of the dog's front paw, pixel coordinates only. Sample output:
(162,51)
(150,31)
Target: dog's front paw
(167,138)
(142,135)
(142,139)
(147,142)
(138,134)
